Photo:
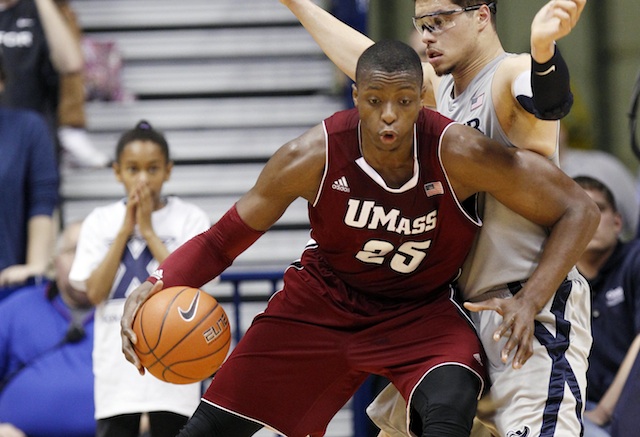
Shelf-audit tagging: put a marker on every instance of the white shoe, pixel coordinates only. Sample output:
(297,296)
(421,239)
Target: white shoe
(80,152)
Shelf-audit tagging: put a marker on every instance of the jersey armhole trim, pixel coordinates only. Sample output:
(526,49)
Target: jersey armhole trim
(476,221)
(326,165)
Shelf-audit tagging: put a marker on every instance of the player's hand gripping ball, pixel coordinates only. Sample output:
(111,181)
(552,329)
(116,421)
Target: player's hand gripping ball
(183,335)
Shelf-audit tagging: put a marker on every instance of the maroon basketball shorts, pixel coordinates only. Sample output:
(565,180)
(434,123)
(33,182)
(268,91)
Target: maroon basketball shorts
(305,356)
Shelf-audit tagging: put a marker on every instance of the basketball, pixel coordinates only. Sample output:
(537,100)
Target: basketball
(183,335)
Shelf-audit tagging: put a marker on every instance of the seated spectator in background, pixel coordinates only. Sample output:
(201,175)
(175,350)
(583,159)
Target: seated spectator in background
(120,245)
(46,339)
(613,270)
(39,48)
(28,196)
(608,169)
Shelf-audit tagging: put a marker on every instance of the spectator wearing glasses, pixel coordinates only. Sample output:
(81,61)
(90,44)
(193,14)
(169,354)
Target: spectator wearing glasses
(516,99)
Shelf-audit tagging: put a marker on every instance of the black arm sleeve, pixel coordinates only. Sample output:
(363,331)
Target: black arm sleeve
(552,98)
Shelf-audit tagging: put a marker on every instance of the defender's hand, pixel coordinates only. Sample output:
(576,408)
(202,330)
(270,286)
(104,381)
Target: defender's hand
(517,326)
(555,20)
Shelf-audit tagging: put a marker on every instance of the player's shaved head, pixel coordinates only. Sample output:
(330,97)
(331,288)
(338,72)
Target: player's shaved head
(389,56)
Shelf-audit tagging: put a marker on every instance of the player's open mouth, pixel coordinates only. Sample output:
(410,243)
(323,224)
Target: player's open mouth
(388,137)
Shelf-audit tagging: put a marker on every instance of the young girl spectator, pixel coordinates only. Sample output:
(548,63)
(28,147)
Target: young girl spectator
(120,245)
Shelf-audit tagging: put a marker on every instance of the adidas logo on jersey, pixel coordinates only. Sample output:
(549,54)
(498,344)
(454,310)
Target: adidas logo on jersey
(341,185)
(158,274)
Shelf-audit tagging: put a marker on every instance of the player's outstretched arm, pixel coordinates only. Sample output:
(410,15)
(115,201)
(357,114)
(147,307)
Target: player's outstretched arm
(534,89)
(536,189)
(552,98)
(340,42)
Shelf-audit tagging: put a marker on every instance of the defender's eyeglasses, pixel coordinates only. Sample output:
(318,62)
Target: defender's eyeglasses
(438,22)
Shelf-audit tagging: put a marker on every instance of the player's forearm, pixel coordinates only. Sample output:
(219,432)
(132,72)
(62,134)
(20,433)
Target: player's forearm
(545,89)
(66,54)
(543,36)
(542,51)
(208,254)
(340,42)
(551,85)
(552,98)
(567,240)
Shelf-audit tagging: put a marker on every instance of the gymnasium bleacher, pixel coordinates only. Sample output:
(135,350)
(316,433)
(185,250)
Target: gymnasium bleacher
(228,82)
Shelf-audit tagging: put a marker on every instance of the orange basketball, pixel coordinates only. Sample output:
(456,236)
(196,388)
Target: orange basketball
(183,335)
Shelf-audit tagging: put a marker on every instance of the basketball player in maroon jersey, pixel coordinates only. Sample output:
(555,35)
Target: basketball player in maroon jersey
(391,190)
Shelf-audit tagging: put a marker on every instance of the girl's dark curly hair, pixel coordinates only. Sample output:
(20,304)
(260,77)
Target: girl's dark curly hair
(142,132)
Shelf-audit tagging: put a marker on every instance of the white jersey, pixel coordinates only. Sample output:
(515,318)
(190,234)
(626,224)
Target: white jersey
(508,246)
(546,396)
(119,388)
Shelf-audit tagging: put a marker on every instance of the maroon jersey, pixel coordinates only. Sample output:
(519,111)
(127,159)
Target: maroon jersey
(372,296)
(403,243)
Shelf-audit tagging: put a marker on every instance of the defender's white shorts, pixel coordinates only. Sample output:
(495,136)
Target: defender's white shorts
(546,397)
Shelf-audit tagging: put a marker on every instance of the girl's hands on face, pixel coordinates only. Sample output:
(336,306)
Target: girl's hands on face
(146,205)
(130,215)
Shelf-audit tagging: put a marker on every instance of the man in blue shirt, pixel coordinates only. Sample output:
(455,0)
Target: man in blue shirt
(613,271)
(46,341)
(28,195)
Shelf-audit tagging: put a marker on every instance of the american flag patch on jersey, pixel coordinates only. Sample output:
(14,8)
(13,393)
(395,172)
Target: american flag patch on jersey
(477,101)
(433,188)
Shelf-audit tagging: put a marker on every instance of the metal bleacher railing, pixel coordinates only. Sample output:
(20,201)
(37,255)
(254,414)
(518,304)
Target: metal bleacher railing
(274,278)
